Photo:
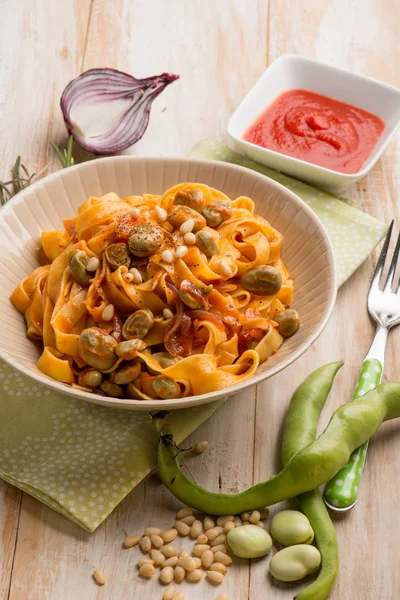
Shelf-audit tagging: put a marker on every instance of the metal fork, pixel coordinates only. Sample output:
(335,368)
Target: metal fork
(340,492)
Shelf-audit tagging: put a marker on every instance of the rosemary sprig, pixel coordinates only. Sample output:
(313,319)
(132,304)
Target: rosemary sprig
(20,180)
(65,156)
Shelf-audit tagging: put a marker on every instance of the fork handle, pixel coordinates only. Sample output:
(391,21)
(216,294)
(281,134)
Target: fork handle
(340,493)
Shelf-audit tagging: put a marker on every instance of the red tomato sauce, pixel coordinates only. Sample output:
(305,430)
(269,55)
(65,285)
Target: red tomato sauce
(317,129)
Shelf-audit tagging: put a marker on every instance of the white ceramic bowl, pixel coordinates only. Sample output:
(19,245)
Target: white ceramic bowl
(306,250)
(295,72)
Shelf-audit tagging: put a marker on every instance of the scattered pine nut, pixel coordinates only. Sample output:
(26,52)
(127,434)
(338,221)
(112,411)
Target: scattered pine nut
(197,560)
(218,540)
(147,570)
(145,561)
(245,516)
(167,313)
(228,526)
(202,539)
(187,562)
(181,251)
(128,277)
(214,533)
(169,550)
(168,535)
(189,520)
(93,264)
(219,567)
(222,597)
(222,520)
(167,574)
(225,268)
(178,596)
(179,574)
(264,513)
(200,447)
(161,214)
(260,524)
(182,528)
(157,541)
(194,576)
(184,552)
(237,521)
(215,577)
(137,276)
(99,576)
(108,312)
(186,511)
(189,238)
(207,559)
(152,531)
(196,529)
(170,562)
(187,226)
(131,540)
(223,558)
(169,592)
(198,549)
(219,548)
(134,212)
(208,523)
(158,557)
(168,256)
(145,544)
(254,517)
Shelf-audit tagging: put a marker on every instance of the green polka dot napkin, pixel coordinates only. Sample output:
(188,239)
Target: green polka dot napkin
(82,459)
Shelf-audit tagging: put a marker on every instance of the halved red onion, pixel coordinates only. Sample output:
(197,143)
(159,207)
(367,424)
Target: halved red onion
(107,110)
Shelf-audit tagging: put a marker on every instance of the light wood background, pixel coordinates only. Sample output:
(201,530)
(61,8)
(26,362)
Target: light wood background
(219,49)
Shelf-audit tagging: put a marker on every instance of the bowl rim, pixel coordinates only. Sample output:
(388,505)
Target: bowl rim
(350,177)
(190,401)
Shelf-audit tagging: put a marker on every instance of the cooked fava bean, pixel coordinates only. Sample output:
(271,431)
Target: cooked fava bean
(217,212)
(206,241)
(131,540)
(248,541)
(129,349)
(290,527)
(180,214)
(215,577)
(263,280)
(138,324)
(111,389)
(97,348)
(147,570)
(165,360)
(192,296)
(77,262)
(91,378)
(295,562)
(118,255)
(193,198)
(288,322)
(126,374)
(194,576)
(166,388)
(145,238)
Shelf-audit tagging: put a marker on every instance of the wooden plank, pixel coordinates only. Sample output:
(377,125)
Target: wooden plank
(10,503)
(359,36)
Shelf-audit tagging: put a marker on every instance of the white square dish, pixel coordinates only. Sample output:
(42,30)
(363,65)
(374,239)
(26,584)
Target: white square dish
(295,72)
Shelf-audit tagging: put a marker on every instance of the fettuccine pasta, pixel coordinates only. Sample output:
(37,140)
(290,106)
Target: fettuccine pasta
(159,296)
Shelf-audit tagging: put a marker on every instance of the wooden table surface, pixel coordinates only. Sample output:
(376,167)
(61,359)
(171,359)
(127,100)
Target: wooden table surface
(219,49)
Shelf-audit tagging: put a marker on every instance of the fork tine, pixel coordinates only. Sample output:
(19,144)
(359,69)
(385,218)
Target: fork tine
(382,257)
(392,268)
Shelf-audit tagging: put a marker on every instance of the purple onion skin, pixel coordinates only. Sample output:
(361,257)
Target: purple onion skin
(113,84)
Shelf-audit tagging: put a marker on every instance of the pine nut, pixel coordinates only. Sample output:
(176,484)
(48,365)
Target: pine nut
(178,596)
(186,511)
(147,570)
(168,256)
(161,214)
(93,264)
(215,577)
(108,312)
(218,540)
(169,535)
(197,560)
(214,533)
(184,552)
(137,276)
(254,517)
(202,539)
(170,562)
(223,558)
(237,522)
(152,531)
(158,557)
(222,597)
(225,268)
(187,226)
(228,526)
(179,574)
(145,544)
(200,447)
(182,528)
(222,520)
(219,548)
(189,238)
(157,541)
(131,540)
(245,516)
(167,313)
(219,567)
(196,529)
(169,592)
(128,277)
(194,576)
(99,576)
(207,559)
(208,523)
(181,251)
(260,524)
(134,212)
(145,561)
(198,549)
(167,574)
(189,520)
(187,563)
(169,550)
(264,513)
